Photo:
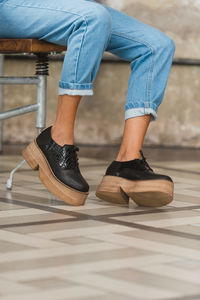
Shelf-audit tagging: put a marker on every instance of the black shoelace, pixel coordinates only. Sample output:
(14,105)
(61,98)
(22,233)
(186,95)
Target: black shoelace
(69,159)
(144,162)
(66,156)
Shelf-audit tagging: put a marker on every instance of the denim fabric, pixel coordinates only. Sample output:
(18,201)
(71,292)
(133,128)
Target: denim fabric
(88,29)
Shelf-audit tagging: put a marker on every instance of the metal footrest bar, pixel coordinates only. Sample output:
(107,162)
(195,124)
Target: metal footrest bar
(10,179)
(19,80)
(18,111)
(9,182)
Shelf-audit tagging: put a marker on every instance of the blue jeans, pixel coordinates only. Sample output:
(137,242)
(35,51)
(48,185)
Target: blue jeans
(88,29)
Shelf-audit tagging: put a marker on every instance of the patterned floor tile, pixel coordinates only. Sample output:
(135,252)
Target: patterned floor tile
(50,250)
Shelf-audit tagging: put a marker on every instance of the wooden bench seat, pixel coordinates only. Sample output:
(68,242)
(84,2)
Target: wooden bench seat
(28,46)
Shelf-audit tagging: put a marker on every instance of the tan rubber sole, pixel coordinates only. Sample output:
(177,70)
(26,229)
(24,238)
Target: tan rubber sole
(149,193)
(37,161)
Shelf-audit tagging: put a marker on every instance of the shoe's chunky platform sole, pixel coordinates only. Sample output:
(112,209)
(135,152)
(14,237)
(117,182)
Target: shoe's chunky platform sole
(149,193)
(37,161)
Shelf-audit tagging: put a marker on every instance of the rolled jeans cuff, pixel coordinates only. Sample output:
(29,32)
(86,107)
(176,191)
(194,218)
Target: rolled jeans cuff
(138,112)
(75,92)
(85,89)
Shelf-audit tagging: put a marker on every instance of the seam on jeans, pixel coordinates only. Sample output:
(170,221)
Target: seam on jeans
(131,38)
(45,8)
(83,36)
(109,38)
(137,104)
(87,89)
(150,76)
(84,83)
(147,44)
(77,84)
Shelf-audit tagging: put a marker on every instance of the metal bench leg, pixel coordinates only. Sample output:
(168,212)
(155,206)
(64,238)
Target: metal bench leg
(41,72)
(1,99)
(41,100)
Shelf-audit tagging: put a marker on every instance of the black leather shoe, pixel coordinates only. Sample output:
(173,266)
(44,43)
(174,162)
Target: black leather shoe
(135,179)
(58,168)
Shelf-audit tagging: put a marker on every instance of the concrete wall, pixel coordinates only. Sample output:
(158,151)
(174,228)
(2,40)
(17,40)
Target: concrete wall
(101,117)
(180,19)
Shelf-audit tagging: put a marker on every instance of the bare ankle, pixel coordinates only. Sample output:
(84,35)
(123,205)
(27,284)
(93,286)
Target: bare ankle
(126,156)
(61,137)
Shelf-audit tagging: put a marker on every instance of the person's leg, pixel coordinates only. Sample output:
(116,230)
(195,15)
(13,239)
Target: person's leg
(150,53)
(133,137)
(62,131)
(85,28)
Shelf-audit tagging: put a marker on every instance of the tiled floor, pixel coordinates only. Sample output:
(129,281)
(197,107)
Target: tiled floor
(49,250)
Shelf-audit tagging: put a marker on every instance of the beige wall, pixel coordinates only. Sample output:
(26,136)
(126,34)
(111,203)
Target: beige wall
(101,117)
